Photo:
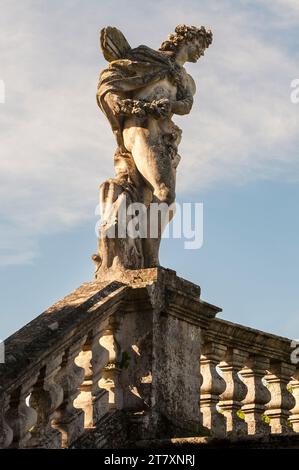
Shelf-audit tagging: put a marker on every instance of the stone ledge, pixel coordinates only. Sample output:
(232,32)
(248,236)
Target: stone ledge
(137,278)
(249,339)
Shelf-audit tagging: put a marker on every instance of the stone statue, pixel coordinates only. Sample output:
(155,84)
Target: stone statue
(139,92)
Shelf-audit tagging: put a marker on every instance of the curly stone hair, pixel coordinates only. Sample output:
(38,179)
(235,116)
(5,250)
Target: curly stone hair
(184,34)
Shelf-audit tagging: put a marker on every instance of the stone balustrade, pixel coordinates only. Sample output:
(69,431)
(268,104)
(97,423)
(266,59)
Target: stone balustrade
(47,384)
(260,393)
(143,357)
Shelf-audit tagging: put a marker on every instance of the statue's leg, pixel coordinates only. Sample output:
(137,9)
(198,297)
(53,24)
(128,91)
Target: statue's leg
(154,161)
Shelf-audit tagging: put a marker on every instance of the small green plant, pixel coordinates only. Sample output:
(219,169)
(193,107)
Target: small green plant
(241,414)
(125,360)
(290,424)
(266,419)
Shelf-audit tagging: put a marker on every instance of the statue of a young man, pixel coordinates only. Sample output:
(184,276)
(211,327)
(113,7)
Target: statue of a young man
(139,93)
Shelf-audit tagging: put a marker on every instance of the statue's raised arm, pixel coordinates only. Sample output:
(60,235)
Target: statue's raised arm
(139,93)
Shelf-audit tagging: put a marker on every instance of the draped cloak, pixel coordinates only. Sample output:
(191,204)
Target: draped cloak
(141,67)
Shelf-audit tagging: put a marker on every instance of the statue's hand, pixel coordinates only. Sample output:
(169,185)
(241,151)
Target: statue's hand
(182,106)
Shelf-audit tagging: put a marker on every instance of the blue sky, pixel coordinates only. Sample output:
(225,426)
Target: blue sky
(239,152)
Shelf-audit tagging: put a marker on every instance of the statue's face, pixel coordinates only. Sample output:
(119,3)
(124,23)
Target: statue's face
(195,50)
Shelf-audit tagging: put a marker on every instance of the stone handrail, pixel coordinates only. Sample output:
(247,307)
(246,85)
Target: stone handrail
(118,361)
(40,380)
(250,386)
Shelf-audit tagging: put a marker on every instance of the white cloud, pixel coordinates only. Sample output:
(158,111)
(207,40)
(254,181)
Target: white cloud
(286,10)
(56,147)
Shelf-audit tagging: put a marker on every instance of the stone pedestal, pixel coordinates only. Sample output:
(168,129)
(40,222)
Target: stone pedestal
(158,333)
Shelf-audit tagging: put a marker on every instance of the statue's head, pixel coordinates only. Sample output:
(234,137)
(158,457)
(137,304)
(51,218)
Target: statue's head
(194,40)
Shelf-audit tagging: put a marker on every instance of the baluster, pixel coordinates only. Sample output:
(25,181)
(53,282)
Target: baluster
(21,417)
(235,392)
(84,399)
(67,419)
(98,359)
(46,397)
(282,400)
(109,373)
(212,387)
(294,417)
(257,394)
(106,388)
(6,433)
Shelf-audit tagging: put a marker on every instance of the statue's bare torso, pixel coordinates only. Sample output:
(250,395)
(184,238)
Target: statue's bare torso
(154,143)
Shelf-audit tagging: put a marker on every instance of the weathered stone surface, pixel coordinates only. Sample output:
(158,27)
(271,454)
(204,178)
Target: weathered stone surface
(211,388)
(235,392)
(141,358)
(6,433)
(294,387)
(282,400)
(257,395)
(47,395)
(249,442)
(107,352)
